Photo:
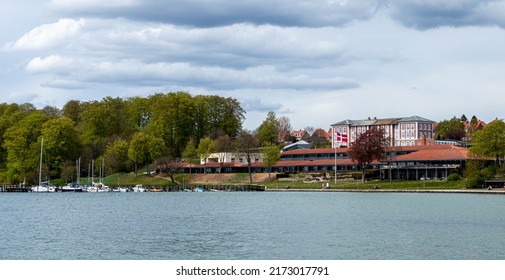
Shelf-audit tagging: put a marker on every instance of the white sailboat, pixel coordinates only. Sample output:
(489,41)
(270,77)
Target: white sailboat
(40,187)
(97,187)
(74,187)
(139,188)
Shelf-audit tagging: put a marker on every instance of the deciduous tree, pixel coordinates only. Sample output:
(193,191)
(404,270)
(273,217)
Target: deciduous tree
(452,129)
(369,146)
(206,147)
(268,132)
(61,143)
(247,146)
(271,154)
(490,141)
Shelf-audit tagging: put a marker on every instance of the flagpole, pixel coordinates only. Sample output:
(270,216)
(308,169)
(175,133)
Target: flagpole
(335,163)
(335,146)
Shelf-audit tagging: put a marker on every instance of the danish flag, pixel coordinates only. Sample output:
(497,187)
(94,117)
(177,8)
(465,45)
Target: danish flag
(340,137)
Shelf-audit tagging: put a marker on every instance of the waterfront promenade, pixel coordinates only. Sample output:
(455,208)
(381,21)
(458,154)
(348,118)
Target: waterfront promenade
(470,191)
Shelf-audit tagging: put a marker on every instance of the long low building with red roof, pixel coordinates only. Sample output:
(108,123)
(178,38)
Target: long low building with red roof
(402,163)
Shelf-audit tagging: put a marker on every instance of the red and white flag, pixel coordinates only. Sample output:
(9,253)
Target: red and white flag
(341,137)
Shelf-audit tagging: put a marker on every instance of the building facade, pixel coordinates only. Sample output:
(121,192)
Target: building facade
(407,131)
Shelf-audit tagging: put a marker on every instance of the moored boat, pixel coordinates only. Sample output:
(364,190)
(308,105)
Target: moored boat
(139,188)
(42,187)
(72,188)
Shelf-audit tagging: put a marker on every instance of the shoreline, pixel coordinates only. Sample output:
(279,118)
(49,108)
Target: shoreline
(467,191)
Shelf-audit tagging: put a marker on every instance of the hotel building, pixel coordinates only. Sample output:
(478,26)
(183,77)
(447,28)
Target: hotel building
(407,131)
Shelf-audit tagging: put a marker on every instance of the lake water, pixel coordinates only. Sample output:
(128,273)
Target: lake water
(251,225)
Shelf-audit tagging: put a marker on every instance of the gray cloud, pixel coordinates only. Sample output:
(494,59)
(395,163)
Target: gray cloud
(422,14)
(226,12)
(259,105)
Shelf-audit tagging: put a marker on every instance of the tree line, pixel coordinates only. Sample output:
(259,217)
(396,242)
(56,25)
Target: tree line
(124,132)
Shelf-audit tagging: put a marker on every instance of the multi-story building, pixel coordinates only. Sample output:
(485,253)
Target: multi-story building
(407,131)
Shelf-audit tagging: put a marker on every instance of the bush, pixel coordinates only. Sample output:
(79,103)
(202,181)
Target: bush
(453,177)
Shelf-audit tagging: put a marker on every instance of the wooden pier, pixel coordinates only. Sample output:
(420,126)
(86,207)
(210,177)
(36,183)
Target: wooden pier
(14,188)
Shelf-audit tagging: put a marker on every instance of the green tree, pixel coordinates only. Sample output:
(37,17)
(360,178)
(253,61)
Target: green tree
(205,148)
(145,148)
(61,144)
(10,115)
(225,116)
(73,110)
(172,119)
(452,129)
(51,112)
(103,119)
(269,130)
(138,151)
(190,151)
(490,141)
(139,112)
(271,154)
(21,141)
(116,156)
(477,171)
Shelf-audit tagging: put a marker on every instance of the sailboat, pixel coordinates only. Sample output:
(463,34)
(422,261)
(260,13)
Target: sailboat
(97,187)
(40,187)
(74,187)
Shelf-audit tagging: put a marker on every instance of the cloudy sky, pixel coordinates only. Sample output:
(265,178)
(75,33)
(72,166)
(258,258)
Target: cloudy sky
(315,61)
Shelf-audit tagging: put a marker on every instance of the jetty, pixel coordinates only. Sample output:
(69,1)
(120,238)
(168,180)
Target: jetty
(14,188)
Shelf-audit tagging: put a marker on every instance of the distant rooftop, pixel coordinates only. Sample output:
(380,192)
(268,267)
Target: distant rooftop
(297,145)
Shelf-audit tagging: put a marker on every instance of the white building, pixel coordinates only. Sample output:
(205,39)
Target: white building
(407,131)
(231,157)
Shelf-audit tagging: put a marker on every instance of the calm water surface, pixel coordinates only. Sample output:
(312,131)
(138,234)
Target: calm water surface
(250,225)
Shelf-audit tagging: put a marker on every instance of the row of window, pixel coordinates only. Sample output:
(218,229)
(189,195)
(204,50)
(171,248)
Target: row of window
(407,131)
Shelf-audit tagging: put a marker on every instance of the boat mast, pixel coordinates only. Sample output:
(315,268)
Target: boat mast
(78,163)
(92,171)
(40,164)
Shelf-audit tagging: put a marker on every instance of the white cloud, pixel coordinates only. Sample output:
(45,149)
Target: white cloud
(54,64)
(47,35)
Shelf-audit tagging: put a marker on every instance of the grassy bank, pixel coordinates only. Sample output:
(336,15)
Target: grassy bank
(130,179)
(395,185)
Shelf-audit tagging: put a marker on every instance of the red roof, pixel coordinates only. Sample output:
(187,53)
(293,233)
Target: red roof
(439,152)
(320,162)
(321,133)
